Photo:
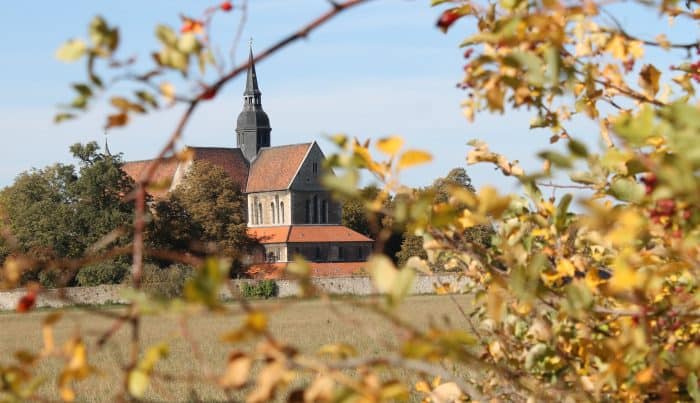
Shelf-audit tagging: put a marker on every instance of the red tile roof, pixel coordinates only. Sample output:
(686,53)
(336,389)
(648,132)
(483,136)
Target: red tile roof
(325,269)
(275,167)
(162,177)
(325,233)
(230,160)
(306,233)
(269,234)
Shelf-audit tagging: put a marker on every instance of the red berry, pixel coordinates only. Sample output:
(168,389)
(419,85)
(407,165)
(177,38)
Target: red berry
(27,301)
(666,206)
(208,93)
(226,6)
(448,18)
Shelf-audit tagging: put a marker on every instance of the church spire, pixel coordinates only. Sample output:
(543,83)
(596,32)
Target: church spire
(251,84)
(253,127)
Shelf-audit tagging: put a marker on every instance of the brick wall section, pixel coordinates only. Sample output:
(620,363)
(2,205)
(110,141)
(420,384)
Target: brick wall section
(106,294)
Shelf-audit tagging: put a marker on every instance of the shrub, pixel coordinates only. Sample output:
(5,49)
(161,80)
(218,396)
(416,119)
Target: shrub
(102,273)
(165,282)
(260,289)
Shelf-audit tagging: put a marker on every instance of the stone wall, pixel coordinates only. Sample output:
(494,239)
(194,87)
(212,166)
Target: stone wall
(109,294)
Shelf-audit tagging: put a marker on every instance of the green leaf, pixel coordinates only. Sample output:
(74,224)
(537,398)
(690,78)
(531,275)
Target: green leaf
(83,89)
(166,35)
(204,286)
(533,66)
(147,98)
(627,189)
(692,385)
(636,128)
(71,51)
(562,211)
(577,148)
(557,159)
(63,116)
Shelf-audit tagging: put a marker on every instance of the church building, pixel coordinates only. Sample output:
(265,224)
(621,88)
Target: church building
(289,212)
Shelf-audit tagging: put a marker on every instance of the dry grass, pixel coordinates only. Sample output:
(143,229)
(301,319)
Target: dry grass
(304,324)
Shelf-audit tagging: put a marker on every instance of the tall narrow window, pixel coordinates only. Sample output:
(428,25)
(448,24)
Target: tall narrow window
(359,252)
(324,211)
(340,253)
(277,205)
(308,212)
(315,217)
(282,211)
(318,253)
(272,212)
(260,214)
(314,168)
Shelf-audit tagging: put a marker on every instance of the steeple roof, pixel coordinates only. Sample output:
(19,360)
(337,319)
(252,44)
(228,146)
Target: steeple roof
(251,84)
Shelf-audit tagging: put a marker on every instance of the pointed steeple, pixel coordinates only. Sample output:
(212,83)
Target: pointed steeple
(253,126)
(251,84)
(107,152)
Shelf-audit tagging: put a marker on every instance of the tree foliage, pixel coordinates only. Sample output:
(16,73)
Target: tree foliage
(61,212)
(597,304)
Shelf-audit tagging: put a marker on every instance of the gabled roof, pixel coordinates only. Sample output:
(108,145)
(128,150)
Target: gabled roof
(275,167)
(230,160)
(306,233)
(318,269)
(162,177)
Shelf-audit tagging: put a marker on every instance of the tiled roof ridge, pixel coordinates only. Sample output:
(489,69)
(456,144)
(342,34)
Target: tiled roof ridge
(287,145)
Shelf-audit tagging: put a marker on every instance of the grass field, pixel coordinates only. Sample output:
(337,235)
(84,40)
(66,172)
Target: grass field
(305,324)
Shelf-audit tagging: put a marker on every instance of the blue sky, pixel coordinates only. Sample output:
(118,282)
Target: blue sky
(377,70)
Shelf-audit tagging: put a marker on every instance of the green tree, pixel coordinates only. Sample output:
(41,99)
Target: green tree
(216,205)
(60,212)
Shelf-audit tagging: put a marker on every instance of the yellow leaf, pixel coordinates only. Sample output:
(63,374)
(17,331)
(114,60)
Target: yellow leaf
(422,386)
(644,376)
(414,157)
(624,277)
(168,91)
(495,302)
(649,79)
(71,51)
(447,392)
(256,321)
(339,350)
(383,272)
(636,49)
(390,145)
(616,47)
(237,370)
(663,41)
(138,383)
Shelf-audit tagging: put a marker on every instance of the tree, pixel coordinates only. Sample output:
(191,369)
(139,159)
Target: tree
(216,206)
(57,212)
(547,323)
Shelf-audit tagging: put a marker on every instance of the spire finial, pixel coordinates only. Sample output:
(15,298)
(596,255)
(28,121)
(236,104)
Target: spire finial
(107,152)
(250,43)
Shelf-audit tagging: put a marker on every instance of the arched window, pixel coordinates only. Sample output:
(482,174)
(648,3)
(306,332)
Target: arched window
(282,211)
(277,205)
(272,212)
(308,212)
(315,217)
(324,211)
(260,214)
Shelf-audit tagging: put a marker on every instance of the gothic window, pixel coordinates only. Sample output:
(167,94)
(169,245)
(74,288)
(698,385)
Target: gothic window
(272,212)
(315,217)
(314,168)
(324,211)
(260,214)
(282,211)
(308,212)
(277,202)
